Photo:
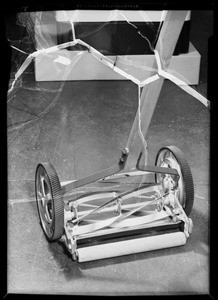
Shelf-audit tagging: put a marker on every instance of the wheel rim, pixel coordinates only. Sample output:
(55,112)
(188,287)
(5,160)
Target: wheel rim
(45,201)
(168,160)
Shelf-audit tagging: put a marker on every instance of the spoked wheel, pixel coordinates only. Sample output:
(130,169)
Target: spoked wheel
(49,201)
(173,157)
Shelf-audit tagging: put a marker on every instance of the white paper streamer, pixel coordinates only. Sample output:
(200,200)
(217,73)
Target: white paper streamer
(110,63)
(183,85)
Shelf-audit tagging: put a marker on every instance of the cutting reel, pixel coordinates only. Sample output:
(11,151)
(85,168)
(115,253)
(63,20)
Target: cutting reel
(113,212)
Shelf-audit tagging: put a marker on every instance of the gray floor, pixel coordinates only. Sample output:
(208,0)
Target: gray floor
(81,128)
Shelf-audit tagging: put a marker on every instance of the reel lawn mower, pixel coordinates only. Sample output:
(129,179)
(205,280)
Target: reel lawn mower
(111,221)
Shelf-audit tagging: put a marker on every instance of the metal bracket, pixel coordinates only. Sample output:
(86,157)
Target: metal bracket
(178,212)
(156,169)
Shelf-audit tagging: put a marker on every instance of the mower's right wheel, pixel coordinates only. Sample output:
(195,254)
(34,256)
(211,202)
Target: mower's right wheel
(173,157)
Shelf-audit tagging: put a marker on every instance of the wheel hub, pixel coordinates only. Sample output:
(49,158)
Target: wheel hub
(45,202)
(171,182)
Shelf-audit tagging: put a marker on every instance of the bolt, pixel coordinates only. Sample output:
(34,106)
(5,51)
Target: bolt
(125,151)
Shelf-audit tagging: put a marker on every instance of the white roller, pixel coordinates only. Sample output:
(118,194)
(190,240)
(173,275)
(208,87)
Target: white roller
(131,246)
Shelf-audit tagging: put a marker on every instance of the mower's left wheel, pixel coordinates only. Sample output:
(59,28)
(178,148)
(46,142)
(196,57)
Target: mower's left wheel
(49,201)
